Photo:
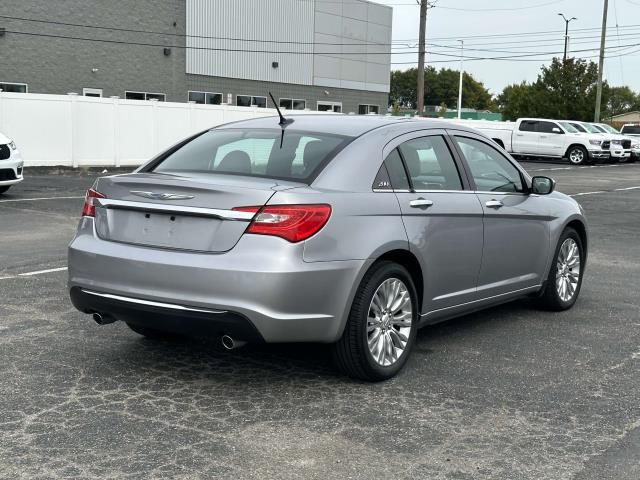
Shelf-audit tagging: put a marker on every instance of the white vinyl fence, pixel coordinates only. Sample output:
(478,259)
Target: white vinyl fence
(71,130)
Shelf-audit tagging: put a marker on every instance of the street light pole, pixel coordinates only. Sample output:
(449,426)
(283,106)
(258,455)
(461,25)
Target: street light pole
(566,34)
(461,75)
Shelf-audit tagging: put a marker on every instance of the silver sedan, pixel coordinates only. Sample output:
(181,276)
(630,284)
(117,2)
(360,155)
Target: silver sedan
(354,231)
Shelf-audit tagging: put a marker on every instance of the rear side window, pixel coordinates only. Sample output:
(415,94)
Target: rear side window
(631,129)
(296,155)
(397,174)
(528,126)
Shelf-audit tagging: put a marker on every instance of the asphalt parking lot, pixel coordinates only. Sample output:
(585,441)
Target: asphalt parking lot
(508,393)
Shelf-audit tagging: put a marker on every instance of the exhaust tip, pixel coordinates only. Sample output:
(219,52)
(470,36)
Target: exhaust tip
(103,319)
(229,343)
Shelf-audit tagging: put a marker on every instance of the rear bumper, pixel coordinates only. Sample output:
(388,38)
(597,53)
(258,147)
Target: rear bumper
(263,281)
(167,317)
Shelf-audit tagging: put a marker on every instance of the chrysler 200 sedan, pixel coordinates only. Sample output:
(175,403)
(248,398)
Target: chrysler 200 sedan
(354,231)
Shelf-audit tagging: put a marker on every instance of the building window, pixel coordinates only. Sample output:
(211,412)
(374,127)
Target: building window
(330,107)
(160,97)
(92,92)
(14,87)
(293,104)
(367,109)
(250,101)
(207,98)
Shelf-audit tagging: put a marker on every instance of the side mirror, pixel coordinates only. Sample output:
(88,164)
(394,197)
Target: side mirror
(556,130)
(542,185)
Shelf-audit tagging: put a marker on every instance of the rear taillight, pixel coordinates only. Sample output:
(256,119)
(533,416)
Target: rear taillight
(291,222)
(89,209)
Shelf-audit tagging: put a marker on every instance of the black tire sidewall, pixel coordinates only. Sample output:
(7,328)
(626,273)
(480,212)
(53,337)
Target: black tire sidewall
(561,304)
(359,314)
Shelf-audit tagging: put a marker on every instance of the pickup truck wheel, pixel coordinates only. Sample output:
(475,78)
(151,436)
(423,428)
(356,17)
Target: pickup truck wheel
(578,155)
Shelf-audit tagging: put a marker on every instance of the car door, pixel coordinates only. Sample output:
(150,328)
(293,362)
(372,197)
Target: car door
(552,139)
(526,138)
(516,223)
(441,215)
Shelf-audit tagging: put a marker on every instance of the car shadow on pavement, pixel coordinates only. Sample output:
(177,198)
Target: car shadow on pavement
(185,357)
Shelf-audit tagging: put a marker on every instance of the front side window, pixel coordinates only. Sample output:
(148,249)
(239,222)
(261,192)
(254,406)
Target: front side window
(430,164)
(491,171)
(569,127)
(546,127)
(256,153)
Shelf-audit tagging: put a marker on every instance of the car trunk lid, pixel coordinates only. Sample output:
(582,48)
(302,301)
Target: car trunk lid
(183,212)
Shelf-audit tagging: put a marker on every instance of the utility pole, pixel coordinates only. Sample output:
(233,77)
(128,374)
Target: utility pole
(603,39)
(461,75)
(421,51)
(566,35)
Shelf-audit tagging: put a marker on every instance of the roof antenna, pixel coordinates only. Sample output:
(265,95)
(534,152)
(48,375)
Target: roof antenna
(283,121)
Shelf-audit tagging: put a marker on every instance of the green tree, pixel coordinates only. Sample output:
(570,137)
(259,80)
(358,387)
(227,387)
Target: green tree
(621,100)
(563,90)
(440,87)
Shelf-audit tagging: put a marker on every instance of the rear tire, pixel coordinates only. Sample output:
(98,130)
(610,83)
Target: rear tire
(387,322)
(4,189)
(152,333)
(562,272)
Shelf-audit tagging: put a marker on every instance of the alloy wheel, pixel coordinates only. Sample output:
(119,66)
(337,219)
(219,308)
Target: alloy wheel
(389,322)
(568,270)
(576,156)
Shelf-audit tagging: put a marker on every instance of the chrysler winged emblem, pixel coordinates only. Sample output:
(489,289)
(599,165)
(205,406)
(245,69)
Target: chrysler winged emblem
(160,195)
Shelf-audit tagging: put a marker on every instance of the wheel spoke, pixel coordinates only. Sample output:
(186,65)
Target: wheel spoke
(389,322)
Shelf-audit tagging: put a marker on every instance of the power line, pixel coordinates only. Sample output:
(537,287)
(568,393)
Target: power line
(241,50)
(519,35)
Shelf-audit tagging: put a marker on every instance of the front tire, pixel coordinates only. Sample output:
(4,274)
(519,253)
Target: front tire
(382,325)
(565,277)
(4,189)
(578,155)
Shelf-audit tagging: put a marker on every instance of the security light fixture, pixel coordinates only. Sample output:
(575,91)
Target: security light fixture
(167,51)
(275,64)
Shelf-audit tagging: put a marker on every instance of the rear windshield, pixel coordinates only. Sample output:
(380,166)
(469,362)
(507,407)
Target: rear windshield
(631,129)
(292,155)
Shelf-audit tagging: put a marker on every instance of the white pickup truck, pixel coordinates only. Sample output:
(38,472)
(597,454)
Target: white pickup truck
(537,137)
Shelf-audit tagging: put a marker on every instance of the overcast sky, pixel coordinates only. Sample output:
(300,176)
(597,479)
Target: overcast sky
(521,35)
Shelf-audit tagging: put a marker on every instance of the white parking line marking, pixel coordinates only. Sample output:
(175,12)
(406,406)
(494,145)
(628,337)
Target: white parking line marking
(587,193)
(38,199)
(550,169)
(625,189)
(40,272)
(31,274)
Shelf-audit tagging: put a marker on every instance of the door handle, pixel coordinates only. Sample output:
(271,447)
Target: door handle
(420,202)
(494,204)
(544,136)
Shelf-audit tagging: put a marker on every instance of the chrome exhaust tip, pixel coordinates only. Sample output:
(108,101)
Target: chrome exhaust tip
(103,319)
(230,344)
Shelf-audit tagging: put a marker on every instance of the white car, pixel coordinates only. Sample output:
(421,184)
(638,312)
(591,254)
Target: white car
(544,138)
(11,164)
